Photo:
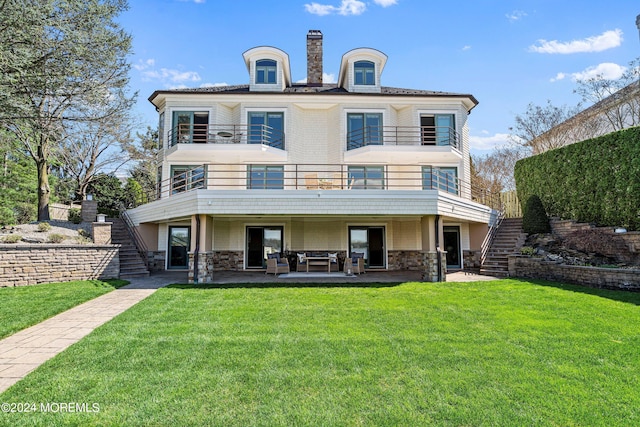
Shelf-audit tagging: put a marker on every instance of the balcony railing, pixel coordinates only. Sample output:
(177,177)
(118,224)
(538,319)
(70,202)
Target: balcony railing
(226,134)
(403,135)
(300,177)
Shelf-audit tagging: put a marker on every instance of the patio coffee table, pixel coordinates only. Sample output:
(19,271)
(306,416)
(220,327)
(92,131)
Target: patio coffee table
(318,260)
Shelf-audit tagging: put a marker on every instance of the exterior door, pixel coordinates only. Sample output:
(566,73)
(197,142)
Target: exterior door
(370,241)
(452,246)
(262,241)
(179,242)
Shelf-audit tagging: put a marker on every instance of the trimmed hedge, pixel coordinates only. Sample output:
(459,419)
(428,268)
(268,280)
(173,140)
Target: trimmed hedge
(597,180)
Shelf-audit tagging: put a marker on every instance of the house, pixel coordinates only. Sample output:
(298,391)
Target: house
(274,166)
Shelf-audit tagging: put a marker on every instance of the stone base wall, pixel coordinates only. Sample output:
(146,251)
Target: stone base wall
(227,260)
(471,259)
(405,260)
(157,260)
(430,269)
(593,277)
(22,265)
(205,267)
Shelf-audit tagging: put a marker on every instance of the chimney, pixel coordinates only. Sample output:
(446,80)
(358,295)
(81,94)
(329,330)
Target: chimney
(314,58)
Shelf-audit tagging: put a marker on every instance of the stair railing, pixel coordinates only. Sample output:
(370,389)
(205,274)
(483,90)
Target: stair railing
(136,238)
(491,235)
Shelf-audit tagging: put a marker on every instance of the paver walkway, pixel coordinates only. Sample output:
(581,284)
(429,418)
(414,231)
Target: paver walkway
(24,351)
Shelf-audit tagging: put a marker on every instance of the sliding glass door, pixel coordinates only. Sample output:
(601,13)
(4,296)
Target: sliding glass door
(370,241)
(262,241)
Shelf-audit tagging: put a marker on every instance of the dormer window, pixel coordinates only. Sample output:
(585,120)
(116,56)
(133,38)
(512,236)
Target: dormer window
(266,71)
(364,73)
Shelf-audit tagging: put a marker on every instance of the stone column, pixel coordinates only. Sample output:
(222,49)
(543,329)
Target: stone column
(89,210)
(101,232)
(430,266)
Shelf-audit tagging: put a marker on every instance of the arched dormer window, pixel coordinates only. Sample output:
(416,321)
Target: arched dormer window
(266,71)
(364,73)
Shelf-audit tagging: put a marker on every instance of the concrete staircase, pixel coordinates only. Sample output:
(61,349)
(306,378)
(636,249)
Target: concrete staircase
(508,240)
(131,263)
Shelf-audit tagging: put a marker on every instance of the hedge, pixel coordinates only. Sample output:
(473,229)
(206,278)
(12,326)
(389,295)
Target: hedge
(596,181)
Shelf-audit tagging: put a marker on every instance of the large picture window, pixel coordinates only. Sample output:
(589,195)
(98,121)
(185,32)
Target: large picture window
(366,177)
(185,178)
(363,129)
(440,178)
(265,177)
(266,128)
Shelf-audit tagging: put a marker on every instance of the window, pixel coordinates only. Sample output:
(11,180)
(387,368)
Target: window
(440,178)
(161,131)
(189,127)
(364,73)
(438,129)
(185,178)
(262,241)
(366,177)
(266,71)
(266,128)
(363,129)
(263,177)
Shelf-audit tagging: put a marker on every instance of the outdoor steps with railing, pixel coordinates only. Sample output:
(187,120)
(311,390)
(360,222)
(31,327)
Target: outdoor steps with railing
(131,264)
(508,240)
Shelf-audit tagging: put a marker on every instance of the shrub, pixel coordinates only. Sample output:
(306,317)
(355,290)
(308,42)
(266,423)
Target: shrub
(43,227)
(527,250)
(56,238)
(75,215)
(12,238)
(534,219)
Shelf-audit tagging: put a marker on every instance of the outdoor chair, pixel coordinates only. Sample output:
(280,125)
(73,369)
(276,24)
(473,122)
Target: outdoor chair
(277,265)
(355,263)
(311,181)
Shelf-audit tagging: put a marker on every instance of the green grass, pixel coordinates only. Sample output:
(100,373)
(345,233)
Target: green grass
(24,306)
(488,353)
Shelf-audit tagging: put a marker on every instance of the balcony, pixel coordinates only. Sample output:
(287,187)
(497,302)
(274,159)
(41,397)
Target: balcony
(241,143)
(317,177)
(226,134)
(435,136)
(400,144)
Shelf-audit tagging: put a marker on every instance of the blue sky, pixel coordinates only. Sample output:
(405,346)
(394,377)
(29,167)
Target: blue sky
(505,53)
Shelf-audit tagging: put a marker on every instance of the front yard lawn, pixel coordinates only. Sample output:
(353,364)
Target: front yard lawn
(24,306)
(504,353)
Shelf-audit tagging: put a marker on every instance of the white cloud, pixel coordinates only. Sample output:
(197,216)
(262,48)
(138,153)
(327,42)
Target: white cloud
(168,76)
(516,15)
(606,40)
(467,47)
(488,142)
(346,8)
(606,70)
(385,3)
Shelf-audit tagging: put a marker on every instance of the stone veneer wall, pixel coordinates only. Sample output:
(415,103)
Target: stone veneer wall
(430,269)
(22,265)
(405,260)
(593,277)
(212,261)
(156,260)
(471,259)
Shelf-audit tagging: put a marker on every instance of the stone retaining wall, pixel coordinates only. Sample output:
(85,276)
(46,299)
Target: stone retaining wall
(593,277)
(22,265)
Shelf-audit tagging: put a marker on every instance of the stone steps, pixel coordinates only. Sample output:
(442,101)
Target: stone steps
(508,240)
(131,263)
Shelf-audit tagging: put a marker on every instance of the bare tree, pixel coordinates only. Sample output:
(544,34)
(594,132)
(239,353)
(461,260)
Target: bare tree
(615,101)
(95,147)
(60,62)
(494,172)
(538,129)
